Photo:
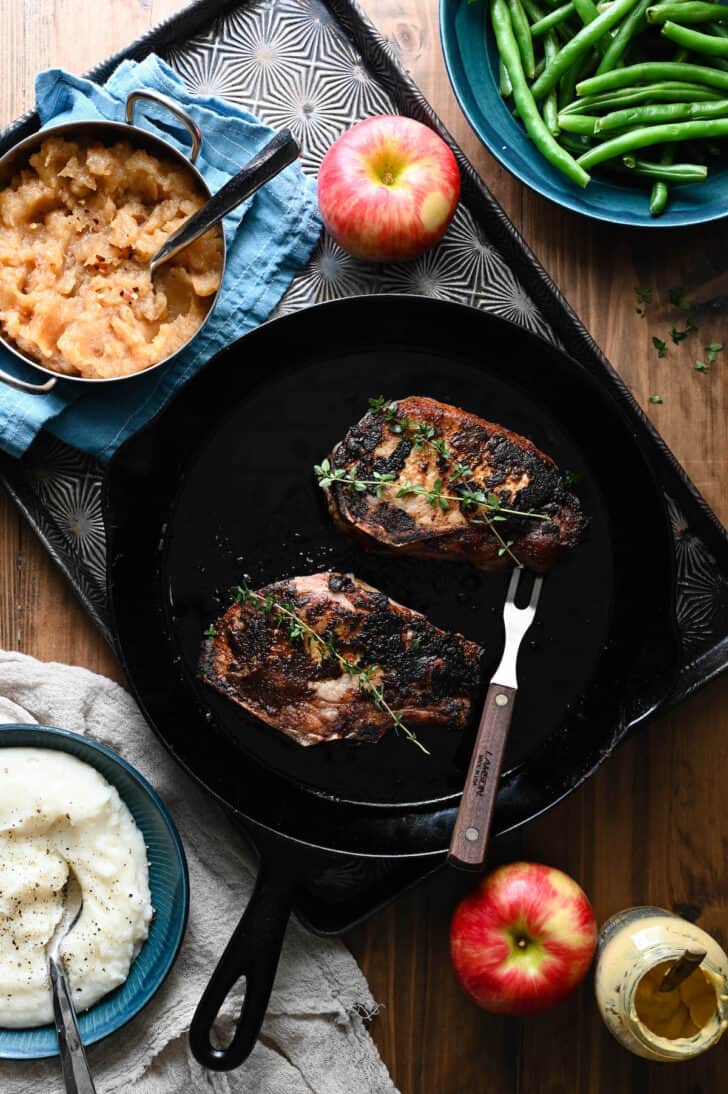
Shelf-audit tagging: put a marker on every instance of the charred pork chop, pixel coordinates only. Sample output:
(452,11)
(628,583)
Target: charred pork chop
(421,467)
(427,676)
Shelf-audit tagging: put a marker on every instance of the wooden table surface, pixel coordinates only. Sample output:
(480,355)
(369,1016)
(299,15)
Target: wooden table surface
(652,826)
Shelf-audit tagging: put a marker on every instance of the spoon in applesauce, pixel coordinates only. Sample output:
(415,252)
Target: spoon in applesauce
(76,1074)
(279,152)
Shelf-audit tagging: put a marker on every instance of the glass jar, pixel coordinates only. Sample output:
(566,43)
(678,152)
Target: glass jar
(636,949)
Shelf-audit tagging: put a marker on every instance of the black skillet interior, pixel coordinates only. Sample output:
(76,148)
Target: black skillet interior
(220,488)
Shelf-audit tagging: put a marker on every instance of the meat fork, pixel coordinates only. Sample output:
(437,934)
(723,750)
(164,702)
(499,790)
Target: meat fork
(472,826)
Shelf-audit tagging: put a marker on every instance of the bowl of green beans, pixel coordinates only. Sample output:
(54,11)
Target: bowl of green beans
(616,109)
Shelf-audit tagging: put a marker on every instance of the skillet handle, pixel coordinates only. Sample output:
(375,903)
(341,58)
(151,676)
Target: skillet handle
(252,952)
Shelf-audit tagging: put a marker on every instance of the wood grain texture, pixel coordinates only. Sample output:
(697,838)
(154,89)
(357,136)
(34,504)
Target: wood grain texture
(650,827)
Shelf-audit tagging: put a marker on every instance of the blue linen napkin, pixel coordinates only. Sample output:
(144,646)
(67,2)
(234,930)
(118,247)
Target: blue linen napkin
(268,239)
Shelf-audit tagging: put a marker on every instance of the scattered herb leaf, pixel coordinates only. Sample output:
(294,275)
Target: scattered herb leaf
(655,398)
(210,631)
(713,350)
(677,298)
(678,335)
(700,366)
(571,478)
(644,297)
(660,346)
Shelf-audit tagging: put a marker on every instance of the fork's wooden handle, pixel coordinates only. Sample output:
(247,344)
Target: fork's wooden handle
(470,834)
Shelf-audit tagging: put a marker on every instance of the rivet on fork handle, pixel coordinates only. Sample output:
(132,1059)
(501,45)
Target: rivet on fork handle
(470,834)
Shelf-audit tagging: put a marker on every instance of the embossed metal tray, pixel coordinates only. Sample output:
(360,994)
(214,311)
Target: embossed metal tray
(318,67)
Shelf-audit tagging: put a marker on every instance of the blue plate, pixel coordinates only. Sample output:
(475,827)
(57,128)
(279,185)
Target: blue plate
(472,64)
(168,880)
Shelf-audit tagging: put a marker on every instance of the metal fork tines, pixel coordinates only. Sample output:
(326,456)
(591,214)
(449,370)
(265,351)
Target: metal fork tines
(517,621)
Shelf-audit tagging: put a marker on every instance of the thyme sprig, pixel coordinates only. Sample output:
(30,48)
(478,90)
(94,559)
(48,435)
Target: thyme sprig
(488,505)
(300,631)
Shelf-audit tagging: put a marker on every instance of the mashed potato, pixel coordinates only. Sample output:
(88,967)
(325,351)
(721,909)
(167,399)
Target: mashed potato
(55,810)
(77,230)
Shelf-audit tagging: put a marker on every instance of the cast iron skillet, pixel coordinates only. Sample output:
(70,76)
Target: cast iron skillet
(219,487)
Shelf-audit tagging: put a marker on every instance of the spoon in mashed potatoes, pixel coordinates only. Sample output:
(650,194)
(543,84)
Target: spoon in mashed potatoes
(76,1072)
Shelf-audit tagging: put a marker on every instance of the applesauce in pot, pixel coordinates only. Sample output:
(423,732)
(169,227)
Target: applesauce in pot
(78,227)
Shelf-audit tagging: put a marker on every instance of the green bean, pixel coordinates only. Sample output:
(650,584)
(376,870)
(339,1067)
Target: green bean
(574,50)
(575,144)
(522,34)
(718,28)
(659,114)
(651,72)
(695,40)
(533,11)
(670,172)
(690,11)
(586,10)
(550,104)
(583,124)
(506,89)
(626,32)
(667,92)
(656,134)
(552,19)
(536,13)
(524,100)
(567,86)
(658,198)
(660,189)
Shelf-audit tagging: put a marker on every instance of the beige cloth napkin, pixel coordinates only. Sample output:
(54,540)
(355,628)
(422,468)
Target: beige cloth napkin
(314,1038)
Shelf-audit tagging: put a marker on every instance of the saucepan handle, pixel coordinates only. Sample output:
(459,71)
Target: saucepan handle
(253,953)
(23,385)
(169,104)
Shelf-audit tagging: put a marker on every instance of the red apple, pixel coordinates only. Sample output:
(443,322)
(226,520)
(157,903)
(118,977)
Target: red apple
(524,939)
(388,188)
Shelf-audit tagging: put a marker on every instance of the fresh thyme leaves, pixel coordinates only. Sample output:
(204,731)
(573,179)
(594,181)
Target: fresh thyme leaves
(677,299)
(678,335)
(210,631)
(422,434)
(469,500)
(299,631)
(644,297)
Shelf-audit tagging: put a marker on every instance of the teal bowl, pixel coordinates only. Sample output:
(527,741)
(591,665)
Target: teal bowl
(472,65)
(169,885)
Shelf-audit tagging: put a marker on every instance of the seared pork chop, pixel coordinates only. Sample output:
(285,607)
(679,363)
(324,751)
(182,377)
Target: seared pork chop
(419,458)
(427,676)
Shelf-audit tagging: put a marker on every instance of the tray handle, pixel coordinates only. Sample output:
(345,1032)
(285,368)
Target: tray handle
(158,99)
(252,952)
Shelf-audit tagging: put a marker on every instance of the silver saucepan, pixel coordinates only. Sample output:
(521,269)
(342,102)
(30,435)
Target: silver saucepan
(276,155)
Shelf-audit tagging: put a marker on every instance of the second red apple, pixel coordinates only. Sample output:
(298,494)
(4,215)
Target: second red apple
(523,939)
